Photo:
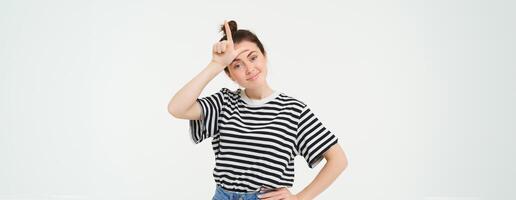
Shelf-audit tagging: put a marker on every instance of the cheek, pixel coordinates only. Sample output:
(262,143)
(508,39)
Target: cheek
(240,76)
(262,66)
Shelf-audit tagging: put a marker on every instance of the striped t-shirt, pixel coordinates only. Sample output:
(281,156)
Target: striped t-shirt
(255,141)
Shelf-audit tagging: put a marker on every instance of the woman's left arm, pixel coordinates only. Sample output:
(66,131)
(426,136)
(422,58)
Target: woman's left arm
(336,162)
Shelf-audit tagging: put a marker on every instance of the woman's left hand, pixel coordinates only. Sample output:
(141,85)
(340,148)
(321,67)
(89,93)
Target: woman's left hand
(279,194)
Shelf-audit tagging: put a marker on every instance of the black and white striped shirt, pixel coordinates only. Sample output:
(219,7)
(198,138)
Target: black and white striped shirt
(255,141)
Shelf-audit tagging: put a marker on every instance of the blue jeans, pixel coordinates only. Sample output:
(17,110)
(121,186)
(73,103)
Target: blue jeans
(221,194)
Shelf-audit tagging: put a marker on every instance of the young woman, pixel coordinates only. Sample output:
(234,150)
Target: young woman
(256,131)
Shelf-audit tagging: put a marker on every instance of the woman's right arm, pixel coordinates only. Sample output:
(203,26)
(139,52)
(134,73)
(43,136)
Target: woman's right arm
(184,104)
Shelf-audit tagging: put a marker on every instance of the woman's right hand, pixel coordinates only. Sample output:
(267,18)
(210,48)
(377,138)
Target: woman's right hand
(224,52)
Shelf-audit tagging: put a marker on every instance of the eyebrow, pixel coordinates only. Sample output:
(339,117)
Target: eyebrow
(238,59)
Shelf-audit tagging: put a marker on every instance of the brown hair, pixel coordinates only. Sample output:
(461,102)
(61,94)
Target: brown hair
(240,35)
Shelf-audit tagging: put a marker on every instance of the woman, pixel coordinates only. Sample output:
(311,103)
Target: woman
(256,131)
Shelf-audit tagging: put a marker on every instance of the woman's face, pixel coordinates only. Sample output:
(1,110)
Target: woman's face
(249,69)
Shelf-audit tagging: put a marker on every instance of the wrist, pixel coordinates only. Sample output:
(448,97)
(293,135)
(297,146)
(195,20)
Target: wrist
(299,196)
(216,64)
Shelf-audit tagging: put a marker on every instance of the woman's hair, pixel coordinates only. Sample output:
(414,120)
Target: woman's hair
(240,35)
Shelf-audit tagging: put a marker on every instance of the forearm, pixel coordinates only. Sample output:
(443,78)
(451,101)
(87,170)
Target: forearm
(331,170)
(189,93)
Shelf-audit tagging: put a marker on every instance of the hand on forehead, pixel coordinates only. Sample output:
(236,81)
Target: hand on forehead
(246,52)
(246,47)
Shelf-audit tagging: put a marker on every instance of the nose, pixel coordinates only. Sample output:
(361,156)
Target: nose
(250,69)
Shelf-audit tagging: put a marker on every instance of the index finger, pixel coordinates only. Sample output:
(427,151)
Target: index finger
(228,32)
(271,193)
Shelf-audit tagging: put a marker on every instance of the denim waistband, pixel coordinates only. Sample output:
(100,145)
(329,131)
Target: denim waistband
(237,192)
(223,194)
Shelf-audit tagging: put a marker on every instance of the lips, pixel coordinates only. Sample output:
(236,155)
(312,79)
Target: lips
(253,77)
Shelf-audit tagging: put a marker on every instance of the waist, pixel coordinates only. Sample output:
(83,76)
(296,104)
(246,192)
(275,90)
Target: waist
(228,190)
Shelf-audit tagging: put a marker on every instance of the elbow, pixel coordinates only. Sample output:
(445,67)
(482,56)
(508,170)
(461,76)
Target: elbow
(176,114)
(344,164)
(337,158)
(173,111)
(341,162)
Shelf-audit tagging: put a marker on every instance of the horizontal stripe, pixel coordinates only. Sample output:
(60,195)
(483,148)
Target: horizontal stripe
(255,144)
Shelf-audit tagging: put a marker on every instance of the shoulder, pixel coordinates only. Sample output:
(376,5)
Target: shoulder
(292,101)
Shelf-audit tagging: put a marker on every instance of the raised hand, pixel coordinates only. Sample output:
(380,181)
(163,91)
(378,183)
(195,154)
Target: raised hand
(224,52)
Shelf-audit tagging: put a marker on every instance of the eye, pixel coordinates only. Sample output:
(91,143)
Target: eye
(254,57)
(236,66)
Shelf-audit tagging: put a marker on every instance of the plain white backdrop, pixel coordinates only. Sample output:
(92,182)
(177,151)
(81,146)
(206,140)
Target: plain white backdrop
(420,93)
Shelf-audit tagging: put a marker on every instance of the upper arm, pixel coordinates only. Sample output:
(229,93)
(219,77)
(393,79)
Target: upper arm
(336,153)
(192,113)
(209,105)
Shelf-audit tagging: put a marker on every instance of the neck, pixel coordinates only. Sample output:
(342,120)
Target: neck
(258,92)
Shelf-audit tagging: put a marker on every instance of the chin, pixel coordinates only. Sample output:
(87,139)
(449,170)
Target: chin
(254,84)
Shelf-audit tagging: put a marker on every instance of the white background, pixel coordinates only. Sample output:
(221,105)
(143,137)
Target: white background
(420,93)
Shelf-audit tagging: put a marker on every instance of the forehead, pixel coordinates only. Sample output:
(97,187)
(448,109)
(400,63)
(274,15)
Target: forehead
(247,45)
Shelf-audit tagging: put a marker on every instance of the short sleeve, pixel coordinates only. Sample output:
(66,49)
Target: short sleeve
(211,108)
(313,138)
